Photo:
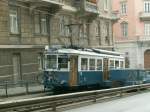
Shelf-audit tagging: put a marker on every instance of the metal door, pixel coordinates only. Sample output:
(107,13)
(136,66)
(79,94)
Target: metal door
(73,70)
(105,69)
(16,67)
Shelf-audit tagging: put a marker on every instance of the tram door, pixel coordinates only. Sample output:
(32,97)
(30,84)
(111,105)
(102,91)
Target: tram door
(105,69)
(73,70)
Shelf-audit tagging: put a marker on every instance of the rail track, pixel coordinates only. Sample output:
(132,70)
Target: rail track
(54,102)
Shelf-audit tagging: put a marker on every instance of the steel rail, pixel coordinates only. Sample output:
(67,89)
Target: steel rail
(61,100)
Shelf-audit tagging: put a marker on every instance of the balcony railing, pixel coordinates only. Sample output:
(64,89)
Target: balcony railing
(115,15)
(57,1)
(91,6)
(144,15)
(48,1)
(144,38)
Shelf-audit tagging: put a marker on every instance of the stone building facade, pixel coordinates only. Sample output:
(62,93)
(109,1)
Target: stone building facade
(27,26)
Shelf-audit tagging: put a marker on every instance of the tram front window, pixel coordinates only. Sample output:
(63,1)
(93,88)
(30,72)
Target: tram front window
(51,62)
(62,62)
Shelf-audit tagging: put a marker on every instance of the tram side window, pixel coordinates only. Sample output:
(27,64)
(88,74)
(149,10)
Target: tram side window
(92,64)
(116,64)
(121,64)
(84,64)
(111,66)
(62,62)
(99,64)
(51,62)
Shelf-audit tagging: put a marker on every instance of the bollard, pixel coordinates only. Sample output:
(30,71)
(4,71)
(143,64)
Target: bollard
(27,88)
(6,89)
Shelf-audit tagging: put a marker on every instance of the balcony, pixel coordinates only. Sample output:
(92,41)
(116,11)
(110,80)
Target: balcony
(115,16)
(57,2)
(144,38)
(88,7)
(91,6)
(52,4)
(144,15)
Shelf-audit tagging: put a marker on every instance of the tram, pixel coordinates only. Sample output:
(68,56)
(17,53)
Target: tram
(67,68)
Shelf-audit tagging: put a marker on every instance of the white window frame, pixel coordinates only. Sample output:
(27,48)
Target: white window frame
(97,29)
(111,59)
(123,8)
(14,27)
(94,64)
(147,29)
(102,64)
(124,29)
(106,2)
(67,69)
(88,58)
(48,69)
(147,6)
(37,26)
(120,64)
(63,69)
(44,26)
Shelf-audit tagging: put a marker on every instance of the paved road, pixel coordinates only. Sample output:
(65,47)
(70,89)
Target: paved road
(137,103)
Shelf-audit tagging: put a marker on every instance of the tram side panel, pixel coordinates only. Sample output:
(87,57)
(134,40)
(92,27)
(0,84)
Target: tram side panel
(90,78)
(126,77)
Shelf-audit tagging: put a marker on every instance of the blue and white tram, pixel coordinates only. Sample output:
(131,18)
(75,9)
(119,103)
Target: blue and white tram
(77,68)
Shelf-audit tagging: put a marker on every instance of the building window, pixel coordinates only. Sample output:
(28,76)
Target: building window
(44,25)
(97,29)
(64,26)
(147,29)
(13,16)
(105,4)
(40,23)
(124,28)
(40,61)
(37,23)
(147,6)
(123,8)
(106,30)
(81,32)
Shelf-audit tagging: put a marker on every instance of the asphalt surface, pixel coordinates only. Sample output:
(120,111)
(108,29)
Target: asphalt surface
(136,103)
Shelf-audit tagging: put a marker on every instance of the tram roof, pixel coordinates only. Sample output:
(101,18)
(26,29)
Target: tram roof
(89,52)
